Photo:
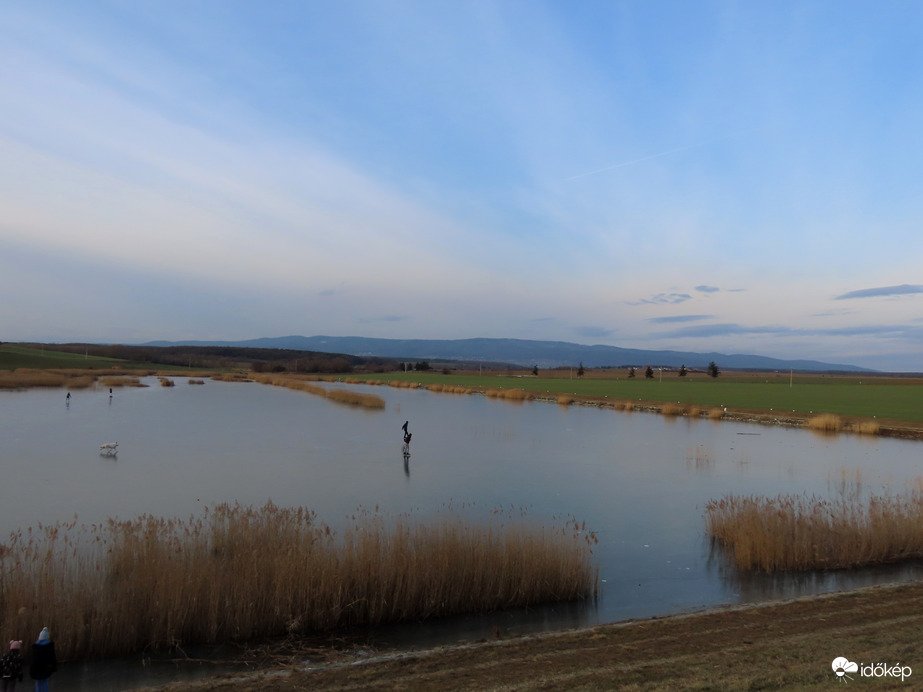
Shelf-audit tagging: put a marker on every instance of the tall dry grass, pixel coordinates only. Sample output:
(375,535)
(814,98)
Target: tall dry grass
(240,573)
(865,427)
(670,409)
(341,396)
(121,381)
(806,533)
(825,423)
(24,377)
(509,394)
(344,396)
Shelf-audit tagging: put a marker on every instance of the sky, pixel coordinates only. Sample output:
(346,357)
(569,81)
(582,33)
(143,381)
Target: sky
(737,177)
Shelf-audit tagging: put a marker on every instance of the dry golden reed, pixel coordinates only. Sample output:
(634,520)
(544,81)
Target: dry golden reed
(231,377)
(825,423)
(22,378)
(239,573)
(671,409)
(167,382)
(865,427)
(355,398)
(807,533)
(120,381)
(341,396)
(565,399)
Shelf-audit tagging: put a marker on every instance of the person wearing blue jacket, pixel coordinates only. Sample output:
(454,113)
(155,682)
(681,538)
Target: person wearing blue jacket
(44,661)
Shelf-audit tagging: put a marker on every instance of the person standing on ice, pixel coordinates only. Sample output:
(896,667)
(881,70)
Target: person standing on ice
(44,661)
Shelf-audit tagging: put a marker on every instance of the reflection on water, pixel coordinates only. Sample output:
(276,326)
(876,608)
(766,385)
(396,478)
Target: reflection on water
(757,587)
(640,481)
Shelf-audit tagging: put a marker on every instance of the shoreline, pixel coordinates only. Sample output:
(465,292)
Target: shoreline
(768,646)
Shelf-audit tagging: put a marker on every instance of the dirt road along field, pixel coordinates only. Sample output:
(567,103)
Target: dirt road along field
(787,646)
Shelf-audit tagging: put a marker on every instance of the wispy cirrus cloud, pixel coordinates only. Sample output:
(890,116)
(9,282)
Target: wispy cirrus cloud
(722,329)
(679,318)
(902,290)
(663,298)
(893,331)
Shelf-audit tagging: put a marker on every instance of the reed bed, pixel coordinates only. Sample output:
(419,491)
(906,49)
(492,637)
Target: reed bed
(341,396)
(671,409)
(825,423)
(241,573)
(565,399)
(355,398)
(456,389)
(231,377)
(807,533)
(866,427)
(121,381)
(167,382)
(516,394)
(195,380)
(403,384)
(23,378)
(715,414)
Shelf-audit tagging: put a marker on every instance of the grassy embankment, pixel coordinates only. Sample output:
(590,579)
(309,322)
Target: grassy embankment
(13,357)
(24,367)
(240,573)
(848,403)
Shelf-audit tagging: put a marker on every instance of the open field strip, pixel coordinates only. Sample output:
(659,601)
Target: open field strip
(13,356)
(891,402)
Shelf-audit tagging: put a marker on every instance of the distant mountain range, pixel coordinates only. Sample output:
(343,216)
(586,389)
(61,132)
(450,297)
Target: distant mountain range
(521,352)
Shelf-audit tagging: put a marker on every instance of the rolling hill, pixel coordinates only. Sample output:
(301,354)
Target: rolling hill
(521,352)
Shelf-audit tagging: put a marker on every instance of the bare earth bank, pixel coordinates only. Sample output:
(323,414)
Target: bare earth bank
(780,646)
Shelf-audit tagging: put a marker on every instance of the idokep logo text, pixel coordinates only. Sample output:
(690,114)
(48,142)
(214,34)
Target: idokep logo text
(842,667)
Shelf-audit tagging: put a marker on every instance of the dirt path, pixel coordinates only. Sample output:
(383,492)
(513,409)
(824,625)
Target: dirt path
(788,646)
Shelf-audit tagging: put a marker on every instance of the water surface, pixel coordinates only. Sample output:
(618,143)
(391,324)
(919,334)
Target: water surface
(640,481)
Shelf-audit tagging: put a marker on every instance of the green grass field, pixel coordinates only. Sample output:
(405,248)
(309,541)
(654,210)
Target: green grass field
(868,396)
(14,356)
(883,398)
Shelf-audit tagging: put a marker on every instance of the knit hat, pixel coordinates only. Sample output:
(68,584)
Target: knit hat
(15,645)
(44,635)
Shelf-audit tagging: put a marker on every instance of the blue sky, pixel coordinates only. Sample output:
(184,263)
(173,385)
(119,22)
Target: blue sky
(740,177)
